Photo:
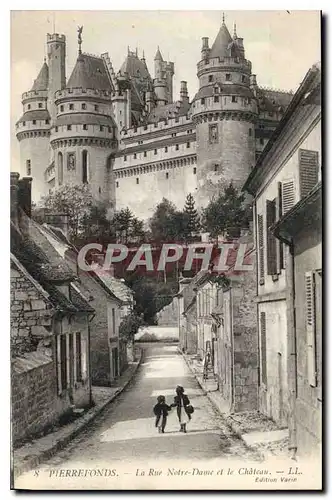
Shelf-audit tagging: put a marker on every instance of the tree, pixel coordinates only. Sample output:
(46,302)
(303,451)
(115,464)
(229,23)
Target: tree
(96,226)
(122,221)
(129,326)
(160,223)
(193,217)
(137,233)
(75,201)
(226,214)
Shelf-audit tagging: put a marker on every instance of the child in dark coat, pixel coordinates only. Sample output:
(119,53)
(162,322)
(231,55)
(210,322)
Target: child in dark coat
(161,410)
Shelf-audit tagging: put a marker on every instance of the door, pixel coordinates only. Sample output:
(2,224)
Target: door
(115,362)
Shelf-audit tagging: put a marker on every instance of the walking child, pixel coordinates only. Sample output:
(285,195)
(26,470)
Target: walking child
(161,410)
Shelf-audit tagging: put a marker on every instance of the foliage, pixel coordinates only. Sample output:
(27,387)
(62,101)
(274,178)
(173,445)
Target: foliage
(193,225)
(169,224)
(226,214)
(129,326)
(127,227)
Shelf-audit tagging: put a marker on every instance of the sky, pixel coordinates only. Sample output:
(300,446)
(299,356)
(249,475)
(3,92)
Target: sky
(281,45)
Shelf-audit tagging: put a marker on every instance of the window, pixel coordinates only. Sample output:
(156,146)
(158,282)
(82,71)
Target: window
(166,175)
(174,134)
(228,77)
(68,127)
(213,134)
(40,105)
(202,100)
(71,161)
(250,132)
(99,190)
(310,327)
(47,122)
(34,122)
(117,184)
(194,170)
(62,362)
(271,241)
(216,98)
(137,180)
(78,357)
(210,78)
(261,248)
(243,78)
(216,167)
(56,129)
(166,149)
(125,158)
(85,167)
(261,141)
(29,106)
(308,169)
(176,147)
(71,106)
(96,107)
(61,108)
(23,124)
(113,322)
(263,347)
(144,154)
(101,128)
(155,151)
(234,98)
(135,156)
(83,106)
(110,129)
(85,127)
(188,144)
(28,167)
(280,244)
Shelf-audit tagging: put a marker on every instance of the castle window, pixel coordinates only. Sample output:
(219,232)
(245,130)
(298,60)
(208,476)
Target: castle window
(228,77)
(85,167)
(110,129)
(28,165)
(144,153)
(155,151)
(194,170)
(99,190)
(188,144)
(261,141)
(60,168)
(145,127)
(261,126)
(137,180)
(101,128)
(97,107)
(213,134)
(250,132)
(243,78)
(202,100)
(166,175)
(29,106)
(23,124)
(234,98)
(34,122)
(176,147)
(189,131)
(176,119)
(83,105)
(71,106)
(40,105)
(216,166)
(135,156)
(56,129)
(216,98)
(68,127)
(125,158)
(71,161)
(117,184)
(174,134)
(210,78)
(166,149)
(61,108)
(85,127)
(47,122)
(155,125)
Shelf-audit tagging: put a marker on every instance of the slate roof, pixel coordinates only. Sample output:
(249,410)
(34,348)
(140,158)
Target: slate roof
(168,111)
(89,73)
(119,289)
(135,67)
(220,47)
(35,114)
(41,82)
(84,118)
(225,89)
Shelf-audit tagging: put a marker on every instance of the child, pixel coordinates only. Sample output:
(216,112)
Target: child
(161,410)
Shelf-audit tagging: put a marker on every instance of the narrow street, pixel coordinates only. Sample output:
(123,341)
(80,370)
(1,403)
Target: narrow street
(125,432)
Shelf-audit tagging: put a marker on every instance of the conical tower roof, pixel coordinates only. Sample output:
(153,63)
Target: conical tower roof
(41,82)
(89,73)
(158,56)
(221,43)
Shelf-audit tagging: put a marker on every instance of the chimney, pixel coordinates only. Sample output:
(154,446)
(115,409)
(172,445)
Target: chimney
(60,221)
(20,196)
(184,92)
(205,47)
(14,177)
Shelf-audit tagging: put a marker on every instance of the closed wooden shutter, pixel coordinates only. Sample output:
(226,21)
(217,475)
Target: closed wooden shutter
(58,359)
(280,245)
(308,167)
(72,366)
(288,195)
(63,357)
(261,248)
(271,241)
(263,347)
(310,328)
(78,357)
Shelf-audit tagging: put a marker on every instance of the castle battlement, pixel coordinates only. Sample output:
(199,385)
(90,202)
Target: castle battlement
(227,62)
(81,92)
(34,94)
(55,37)
(161,124)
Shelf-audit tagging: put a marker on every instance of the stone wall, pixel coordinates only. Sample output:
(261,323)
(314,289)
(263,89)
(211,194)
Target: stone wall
(168,316)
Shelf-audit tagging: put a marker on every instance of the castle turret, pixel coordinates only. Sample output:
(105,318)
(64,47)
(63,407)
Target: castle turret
(184,92)
(33,133)
(159,82)
(224,111)
(56,51)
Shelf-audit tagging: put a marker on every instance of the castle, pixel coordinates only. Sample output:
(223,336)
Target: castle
(125,135)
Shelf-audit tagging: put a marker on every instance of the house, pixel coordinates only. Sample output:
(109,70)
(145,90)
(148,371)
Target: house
(110,300)
(50,327)
(301,230)
(286,171)
(187,316)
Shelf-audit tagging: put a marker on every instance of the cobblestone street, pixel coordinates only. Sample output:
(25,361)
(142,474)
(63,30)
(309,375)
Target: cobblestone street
(125,431)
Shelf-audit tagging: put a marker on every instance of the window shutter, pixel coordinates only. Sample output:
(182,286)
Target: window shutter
(78,357)
(263,347)
(288,196)
(261,248)
(63,362)
(280,245)
(58,360)
(308,166)
(310,328)
(271,241)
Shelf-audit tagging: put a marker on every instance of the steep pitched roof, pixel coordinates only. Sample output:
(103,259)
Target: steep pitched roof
(89,73)
(134,67)
(35,114)
(41,82)
(172,110)
(220,47)
(158,56)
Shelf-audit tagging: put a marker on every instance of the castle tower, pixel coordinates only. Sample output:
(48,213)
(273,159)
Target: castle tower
(33,133)
(224,111)
(56,52)
(159,82)
(84,133)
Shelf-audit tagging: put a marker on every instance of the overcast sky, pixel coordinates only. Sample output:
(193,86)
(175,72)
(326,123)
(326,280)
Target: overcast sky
(281,45)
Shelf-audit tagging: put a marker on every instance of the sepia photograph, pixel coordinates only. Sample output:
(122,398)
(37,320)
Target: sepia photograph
(166,250)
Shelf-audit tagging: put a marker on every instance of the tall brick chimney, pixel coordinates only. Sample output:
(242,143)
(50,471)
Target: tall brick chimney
(20,196)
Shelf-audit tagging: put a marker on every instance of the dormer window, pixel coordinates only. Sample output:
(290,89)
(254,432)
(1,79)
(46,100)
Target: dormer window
(29,106)
(210,78)
(68,127)
(228,77)
(202,100)
(71,106)
(61,108)
(40,105)
(83,105)
(216,98)
(234,98)
(96,107)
